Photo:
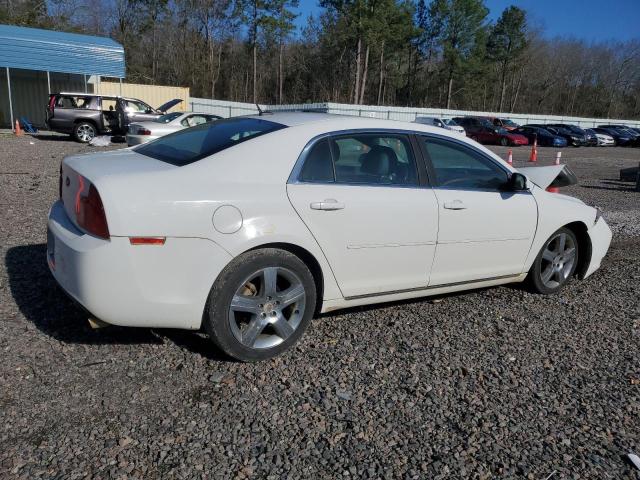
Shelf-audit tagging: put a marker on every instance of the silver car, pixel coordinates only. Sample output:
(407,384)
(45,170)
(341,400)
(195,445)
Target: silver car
(144,132)
(446,123)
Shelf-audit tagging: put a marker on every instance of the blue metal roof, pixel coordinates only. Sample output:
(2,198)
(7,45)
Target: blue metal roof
(47,50)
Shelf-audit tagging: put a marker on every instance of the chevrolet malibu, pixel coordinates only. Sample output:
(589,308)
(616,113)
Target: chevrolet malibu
(248,227)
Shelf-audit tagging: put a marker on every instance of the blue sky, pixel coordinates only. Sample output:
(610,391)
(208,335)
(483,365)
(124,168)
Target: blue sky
(591,20)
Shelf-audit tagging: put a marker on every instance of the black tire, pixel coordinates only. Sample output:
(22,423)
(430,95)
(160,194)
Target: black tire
(84,132)
(541,265)
(225,327)
(504,142)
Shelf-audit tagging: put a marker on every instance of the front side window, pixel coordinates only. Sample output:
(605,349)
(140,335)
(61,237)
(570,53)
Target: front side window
(190,145)
(134,106)
(459,167)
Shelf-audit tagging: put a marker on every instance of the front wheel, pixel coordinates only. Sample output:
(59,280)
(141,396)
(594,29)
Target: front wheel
(260,305)
(504,142)
(556,263)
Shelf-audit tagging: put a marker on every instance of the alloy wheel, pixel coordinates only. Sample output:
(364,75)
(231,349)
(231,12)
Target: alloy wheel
(267,308)
(558,259)
(85,133)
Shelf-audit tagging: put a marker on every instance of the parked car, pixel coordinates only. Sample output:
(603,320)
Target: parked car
(448,124)
(626,131)
(504,123)
(544,137)
(249,226)
(171,122)
(483,131)
(602,139)
(592,138)
(85,115)
(622,139)
(572,139)
(451,123)
(583,139)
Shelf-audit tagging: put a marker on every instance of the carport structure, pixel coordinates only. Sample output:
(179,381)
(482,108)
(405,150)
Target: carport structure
(36,62)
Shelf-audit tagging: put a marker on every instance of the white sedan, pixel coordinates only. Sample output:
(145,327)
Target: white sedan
(604,140)
(248,227)
(143,132)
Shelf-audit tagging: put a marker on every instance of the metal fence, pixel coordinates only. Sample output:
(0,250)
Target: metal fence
(230,109)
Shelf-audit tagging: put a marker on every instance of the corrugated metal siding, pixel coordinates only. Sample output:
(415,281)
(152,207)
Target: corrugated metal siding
(29,93)
(47,50)
(154,95)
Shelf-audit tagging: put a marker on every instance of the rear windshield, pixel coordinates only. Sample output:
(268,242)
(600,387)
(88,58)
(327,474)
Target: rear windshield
(168,117)
(190,145)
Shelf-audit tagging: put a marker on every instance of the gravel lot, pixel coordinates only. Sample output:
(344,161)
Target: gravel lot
(495,383)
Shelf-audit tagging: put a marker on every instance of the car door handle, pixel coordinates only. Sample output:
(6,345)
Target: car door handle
(455,205)
(328,204)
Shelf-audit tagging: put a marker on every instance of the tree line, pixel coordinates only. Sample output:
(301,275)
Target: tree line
(442,53)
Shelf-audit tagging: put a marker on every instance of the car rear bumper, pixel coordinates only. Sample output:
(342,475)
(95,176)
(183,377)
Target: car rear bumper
(139,286)
(139,139)
(600,235)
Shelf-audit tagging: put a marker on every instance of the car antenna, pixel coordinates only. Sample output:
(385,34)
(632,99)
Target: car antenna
(262,112)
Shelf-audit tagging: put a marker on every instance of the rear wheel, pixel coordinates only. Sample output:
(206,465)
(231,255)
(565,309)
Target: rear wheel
(84,132)
(261,304)
(556,263)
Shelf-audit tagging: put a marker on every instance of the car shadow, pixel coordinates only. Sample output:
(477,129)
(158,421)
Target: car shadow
(51,137)
(616,188)
(47,306)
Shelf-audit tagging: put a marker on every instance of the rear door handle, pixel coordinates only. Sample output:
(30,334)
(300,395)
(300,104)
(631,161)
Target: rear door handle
(329,204)
(455,205)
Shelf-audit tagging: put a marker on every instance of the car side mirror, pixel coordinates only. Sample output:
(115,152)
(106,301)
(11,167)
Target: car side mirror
(517,182)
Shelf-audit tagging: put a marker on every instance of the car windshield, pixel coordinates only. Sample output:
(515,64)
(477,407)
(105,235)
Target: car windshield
(193,144)
(509,123)
(168,117)
(451,123)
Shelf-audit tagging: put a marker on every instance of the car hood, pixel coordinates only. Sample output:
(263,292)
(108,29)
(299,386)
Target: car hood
(550,176)
(171,103)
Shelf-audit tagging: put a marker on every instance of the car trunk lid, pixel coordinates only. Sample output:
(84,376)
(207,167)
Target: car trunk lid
(78,172)
(171,103)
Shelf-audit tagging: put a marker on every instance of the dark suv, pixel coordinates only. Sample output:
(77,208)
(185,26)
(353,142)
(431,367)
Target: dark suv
(85,115)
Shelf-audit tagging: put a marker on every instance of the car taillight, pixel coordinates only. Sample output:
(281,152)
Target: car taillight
(89,209)
(144,131)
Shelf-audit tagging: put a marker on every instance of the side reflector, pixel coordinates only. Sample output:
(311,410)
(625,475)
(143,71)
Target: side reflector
(147,240)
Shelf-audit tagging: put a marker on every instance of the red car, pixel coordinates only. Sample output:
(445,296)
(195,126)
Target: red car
(483,131)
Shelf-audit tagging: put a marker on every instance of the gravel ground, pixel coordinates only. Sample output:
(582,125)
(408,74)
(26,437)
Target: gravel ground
(495,383)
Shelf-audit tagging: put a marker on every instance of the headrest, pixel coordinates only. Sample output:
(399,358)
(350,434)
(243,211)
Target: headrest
(380,160)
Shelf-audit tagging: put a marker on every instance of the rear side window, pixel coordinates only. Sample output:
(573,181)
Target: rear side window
(72,101)
(193,144)
(318,166)
(361,159)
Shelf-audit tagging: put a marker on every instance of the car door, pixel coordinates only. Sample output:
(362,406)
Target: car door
(484,231)
(365,199)
(138,111)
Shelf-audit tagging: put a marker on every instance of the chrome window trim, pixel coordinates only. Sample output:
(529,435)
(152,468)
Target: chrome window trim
(294,176)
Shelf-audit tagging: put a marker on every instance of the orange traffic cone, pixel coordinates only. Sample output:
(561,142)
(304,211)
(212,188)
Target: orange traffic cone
(534,151)
(18,130)
(510,158)
(557,162)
